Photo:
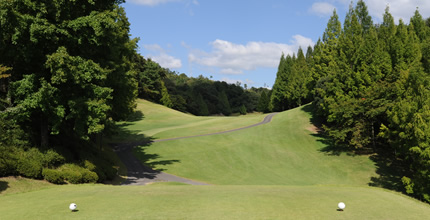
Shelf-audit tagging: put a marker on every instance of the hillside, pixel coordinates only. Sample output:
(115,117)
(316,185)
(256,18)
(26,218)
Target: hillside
(286,151)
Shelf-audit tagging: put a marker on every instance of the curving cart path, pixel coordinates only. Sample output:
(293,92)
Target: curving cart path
(139,174)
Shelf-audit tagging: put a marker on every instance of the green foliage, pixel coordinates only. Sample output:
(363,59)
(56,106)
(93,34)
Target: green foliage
(165,97)
(217,97)
(223,104)
(75,174)
(293,83)
(8,160)
(371,88)
(72,66)
(30,164)
(242,110)
(263,103)
(52,159)
(53,176)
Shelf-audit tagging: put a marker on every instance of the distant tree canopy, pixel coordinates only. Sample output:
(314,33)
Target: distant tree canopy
(370,83)
(202,96)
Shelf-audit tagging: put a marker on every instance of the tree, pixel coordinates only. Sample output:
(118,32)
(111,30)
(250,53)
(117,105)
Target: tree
(71,65)
(263,103)
(224,104)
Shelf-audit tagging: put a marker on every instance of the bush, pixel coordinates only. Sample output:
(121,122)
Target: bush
(75,174)
(53,176)
(30,163)
(51,159)
(89,176)
(8,161)
(90,166)
(72,176)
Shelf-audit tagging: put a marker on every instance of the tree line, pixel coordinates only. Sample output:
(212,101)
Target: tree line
(196,95)
(370,84)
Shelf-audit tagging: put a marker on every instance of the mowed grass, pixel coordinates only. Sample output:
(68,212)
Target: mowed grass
(160,122)
(210,202)
(280,170)
(283,152)
(13,185)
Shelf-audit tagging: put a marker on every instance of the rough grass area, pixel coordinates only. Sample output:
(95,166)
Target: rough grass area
(211,202)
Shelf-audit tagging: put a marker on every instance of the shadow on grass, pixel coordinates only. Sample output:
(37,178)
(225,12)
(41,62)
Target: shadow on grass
(136,116)
(3,186)
(389,170)
(331,148)
(131,148)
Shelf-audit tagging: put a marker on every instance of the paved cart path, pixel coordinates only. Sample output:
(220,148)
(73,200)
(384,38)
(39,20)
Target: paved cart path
(139,174)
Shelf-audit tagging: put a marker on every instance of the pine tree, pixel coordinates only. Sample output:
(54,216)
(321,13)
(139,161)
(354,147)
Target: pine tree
(224,104)
(263,103)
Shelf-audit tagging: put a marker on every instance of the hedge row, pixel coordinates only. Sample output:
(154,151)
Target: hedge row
(51,166)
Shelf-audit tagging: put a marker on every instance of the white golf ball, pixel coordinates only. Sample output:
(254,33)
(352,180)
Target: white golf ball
(72,206)
(341,205)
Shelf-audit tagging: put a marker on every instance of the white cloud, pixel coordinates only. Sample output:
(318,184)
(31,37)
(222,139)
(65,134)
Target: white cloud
(231,81)
(231,71)
(167,61)
(234,58)
(152,2)
(161,57)
(403,9)
(322,9)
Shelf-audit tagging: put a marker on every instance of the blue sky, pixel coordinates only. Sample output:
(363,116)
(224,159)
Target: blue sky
(239,40)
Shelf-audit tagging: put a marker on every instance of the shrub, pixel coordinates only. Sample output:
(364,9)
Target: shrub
(53,176)
(89,176)
(51,159)
(30,163)
(72,176)
(75,174)
(8,160)
(90,166)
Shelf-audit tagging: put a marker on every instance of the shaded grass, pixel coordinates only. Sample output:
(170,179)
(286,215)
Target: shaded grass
(13,185)
(211,202)
(283,152)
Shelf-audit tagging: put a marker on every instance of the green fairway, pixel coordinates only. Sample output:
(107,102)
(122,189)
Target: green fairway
(160,122)
(210,202)
(283,152)
(279,170)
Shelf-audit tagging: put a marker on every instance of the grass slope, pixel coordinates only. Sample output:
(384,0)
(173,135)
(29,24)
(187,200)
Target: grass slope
(210,202)
(283,152)
(280,170)
(160,122)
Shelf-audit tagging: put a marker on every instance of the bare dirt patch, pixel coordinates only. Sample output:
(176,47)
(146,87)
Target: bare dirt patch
(314,129)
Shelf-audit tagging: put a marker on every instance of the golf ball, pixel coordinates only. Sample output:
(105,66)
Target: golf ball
(341,205)
(72,206)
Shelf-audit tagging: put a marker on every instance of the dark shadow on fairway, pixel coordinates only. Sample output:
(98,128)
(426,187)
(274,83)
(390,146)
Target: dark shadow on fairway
(136,116)
(331,148)
(389,170)
(131,147)
(3,185)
